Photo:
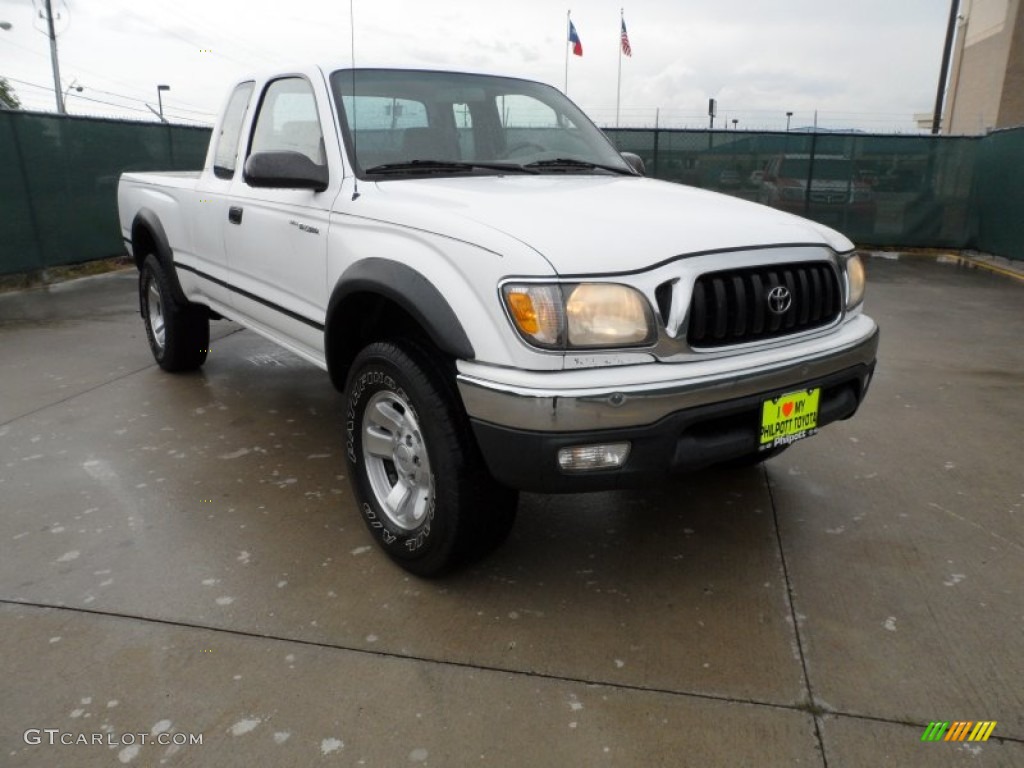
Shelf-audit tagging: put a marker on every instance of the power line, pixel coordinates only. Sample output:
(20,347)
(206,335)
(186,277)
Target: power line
(101,101)
(200,21)
(131,88)
(196,46)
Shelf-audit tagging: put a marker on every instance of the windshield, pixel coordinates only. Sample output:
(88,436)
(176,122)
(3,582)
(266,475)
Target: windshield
(407,123)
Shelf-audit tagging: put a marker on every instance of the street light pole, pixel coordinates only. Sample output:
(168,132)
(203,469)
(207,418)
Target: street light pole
(159,98)
(72,86)
(788,115)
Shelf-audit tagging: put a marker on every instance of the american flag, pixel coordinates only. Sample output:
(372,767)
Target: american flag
(625,40)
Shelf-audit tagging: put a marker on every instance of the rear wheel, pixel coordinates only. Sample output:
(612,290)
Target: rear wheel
(421,484)
(179,334)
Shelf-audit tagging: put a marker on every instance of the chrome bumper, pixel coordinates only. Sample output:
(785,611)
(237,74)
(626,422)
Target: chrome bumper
(638,395)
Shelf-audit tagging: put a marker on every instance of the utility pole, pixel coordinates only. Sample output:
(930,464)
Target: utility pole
(53,59)
(940,96)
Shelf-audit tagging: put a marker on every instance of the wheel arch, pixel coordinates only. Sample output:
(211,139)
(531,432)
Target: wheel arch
(377,297)
(149,237)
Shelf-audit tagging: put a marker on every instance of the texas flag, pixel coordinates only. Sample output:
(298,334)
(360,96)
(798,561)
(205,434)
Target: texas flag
(577,46)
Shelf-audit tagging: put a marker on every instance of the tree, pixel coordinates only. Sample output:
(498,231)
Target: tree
(8,98)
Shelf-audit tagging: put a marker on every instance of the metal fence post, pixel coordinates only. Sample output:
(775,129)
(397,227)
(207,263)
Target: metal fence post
(810,173)
(170,146)
(654,159)
(33,218)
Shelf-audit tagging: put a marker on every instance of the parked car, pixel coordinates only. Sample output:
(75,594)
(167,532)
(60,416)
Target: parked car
(504,302)
(837,195)
(729,179)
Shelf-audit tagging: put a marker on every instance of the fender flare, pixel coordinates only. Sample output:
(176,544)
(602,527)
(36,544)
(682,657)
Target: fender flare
(147,219)
(411,291)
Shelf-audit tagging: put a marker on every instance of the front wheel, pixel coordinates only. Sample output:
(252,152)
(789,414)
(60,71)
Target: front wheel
(178,334)
(419,480)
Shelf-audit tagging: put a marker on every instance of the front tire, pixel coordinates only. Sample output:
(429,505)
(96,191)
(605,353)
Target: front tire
(178,334)
(420,482)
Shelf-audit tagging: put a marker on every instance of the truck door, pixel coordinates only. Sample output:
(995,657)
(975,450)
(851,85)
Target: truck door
(209,215)
(276,238)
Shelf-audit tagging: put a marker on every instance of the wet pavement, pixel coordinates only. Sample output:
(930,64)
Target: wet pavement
(181,558)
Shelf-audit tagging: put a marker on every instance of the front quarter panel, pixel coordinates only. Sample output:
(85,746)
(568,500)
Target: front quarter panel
(465,275)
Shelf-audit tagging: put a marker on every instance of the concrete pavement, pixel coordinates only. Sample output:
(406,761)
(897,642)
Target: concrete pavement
(180,557)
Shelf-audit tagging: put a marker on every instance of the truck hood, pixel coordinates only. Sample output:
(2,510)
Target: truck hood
(596,224)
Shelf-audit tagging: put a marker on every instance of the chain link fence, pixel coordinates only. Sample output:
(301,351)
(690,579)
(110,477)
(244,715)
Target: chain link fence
(892,190)
(58,189)
(58,192)
(999,198)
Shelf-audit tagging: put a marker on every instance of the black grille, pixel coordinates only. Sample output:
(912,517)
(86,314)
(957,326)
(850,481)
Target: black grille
(732,306)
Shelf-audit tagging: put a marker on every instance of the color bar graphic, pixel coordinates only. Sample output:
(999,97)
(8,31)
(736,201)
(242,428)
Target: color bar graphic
(982,731)
(958,730)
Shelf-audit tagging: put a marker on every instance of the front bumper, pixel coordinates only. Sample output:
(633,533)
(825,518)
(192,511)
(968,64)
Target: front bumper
(673,423)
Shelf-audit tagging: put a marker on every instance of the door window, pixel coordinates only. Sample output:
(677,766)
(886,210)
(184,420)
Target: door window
(288,121)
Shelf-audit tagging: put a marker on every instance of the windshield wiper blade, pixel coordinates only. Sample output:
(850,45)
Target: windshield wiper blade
(572,164)
(444,166)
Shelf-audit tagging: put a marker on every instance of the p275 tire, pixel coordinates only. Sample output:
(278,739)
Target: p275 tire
(419,480)
(178,334)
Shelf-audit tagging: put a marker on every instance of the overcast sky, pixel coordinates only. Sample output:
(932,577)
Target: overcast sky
(868,64)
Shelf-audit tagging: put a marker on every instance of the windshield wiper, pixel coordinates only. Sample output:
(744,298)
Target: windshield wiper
(571,164)
(444,166)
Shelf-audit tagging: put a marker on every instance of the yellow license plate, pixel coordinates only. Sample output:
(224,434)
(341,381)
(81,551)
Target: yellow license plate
(789,418)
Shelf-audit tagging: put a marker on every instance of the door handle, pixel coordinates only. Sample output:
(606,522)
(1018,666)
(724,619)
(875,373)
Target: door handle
(235,214)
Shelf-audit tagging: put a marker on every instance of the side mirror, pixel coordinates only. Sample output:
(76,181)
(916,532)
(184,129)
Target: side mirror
(284,170)
(635,162)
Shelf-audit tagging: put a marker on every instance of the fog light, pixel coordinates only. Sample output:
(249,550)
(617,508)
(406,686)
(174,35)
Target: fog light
(581,458)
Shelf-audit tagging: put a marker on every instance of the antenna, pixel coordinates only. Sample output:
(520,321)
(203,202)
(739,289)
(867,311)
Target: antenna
(355,152)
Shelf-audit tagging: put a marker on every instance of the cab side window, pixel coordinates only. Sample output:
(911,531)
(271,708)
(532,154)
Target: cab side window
(225,158)
(288,121)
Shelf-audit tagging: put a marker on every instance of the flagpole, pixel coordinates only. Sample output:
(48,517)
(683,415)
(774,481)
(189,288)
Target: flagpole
(568,22)
(618,87)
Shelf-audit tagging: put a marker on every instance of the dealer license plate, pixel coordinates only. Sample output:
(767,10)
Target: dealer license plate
(789,418)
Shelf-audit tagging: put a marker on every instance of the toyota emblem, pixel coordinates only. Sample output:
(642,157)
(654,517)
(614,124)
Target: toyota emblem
(779,299)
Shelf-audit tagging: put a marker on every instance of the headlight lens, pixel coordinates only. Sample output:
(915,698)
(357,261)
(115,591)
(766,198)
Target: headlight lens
(584,315)
(855,281)
(607,315)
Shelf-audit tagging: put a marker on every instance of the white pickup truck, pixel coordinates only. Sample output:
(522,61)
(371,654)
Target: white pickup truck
(503,299)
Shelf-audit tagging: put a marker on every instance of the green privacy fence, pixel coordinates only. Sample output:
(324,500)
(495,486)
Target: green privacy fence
(905,191)
(1000,194)
(58,186)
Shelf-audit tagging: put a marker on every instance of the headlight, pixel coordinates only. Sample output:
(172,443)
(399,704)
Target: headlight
(579,316)
(855,281)
(538,312)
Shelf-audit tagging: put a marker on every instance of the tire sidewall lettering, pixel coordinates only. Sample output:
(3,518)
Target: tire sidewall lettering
(369,381)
